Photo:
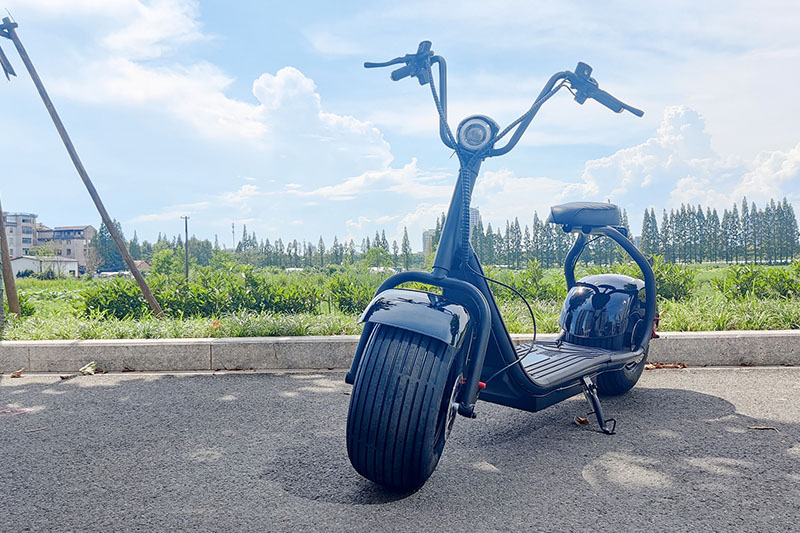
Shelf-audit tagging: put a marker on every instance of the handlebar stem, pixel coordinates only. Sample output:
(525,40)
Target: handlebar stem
(439,60)
(554,79)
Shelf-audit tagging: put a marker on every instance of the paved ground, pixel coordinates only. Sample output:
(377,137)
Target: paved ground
(266,452)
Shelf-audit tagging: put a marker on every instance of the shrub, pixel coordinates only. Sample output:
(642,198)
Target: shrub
(750,281)
(673,282)
(211,293)
(350,295)
(26,306)
(529,282)
(118,298)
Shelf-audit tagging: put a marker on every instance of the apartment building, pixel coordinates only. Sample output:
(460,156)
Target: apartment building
(20,232)
(69,242)
(72,242)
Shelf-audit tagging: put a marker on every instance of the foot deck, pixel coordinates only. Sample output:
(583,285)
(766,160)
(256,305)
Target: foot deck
(549,364)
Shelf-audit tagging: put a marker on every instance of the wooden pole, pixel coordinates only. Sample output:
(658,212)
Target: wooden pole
(9,31)
(186,244)
(8,274)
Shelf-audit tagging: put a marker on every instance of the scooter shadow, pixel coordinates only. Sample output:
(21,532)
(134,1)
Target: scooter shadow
(665,438)
(655,425)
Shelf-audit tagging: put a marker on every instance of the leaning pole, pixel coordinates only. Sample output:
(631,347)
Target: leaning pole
(8,30)
(8,273)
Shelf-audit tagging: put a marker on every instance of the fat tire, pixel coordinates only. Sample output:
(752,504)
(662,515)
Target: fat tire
(620,381)
(395,426)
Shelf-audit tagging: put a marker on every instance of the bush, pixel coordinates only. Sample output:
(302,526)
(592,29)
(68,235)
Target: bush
(529,282)
(750,281)
(210,294)
(118,298)
(673,282)
(26,307)
(48,274)
(350,295)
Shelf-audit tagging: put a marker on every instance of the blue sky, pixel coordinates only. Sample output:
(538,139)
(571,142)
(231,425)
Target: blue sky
(260,113)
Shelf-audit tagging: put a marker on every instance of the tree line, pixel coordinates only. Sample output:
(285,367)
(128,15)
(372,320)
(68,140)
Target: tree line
(692,234)
(689,234)
(167,253)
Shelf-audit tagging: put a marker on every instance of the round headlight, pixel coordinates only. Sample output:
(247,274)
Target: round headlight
(476,132)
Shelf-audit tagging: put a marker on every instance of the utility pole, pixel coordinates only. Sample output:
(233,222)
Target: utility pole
(186,243)
(8,274)
(8,30)
(233,236)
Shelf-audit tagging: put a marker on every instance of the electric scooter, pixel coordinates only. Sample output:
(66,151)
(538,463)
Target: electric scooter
(425,357)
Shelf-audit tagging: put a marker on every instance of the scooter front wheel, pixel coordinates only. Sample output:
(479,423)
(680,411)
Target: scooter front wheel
(401,407)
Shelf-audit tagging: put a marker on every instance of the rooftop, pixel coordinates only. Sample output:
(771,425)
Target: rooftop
(68,228)
(46,258)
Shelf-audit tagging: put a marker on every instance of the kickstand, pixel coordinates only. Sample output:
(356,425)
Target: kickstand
(590,391)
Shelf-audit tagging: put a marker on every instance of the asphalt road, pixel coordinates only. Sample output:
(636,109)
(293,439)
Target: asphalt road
(266,452)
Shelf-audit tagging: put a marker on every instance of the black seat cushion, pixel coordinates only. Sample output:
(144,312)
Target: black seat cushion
(578,214)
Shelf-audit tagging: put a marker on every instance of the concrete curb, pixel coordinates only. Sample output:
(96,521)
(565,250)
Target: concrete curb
(724,348)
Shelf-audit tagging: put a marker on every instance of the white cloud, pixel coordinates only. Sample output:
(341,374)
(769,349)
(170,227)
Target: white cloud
(329,43)
(240,199)
(772,175)
(408,180)
(293,109)
(366,227)
(155,28)
(172,212)
(675,166)
(678,165)
(286,118)
(194,94)
(502,195)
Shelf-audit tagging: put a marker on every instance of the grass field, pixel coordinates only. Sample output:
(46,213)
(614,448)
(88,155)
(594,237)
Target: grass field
(58,312)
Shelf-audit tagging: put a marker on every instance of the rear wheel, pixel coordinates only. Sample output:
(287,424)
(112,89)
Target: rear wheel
(621,381)
(402,407)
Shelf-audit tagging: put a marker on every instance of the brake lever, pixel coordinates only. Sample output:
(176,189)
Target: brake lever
(395,61)
(587,87)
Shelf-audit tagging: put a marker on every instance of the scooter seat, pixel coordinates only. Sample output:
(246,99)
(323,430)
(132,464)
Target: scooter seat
(579,214)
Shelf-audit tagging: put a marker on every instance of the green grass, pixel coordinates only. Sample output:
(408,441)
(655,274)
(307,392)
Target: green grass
(59,313)
(244,324)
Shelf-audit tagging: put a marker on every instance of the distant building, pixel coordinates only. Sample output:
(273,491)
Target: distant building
(427,241)
(142,265)
(20,232)
(72,242)
(43,234)
(474,217)
(24,232)
(427,235)
(60,266)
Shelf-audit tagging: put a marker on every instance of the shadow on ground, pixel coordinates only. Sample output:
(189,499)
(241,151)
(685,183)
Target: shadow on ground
(221,450)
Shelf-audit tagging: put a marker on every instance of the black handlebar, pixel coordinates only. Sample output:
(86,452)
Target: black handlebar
(587,87)
(416,64)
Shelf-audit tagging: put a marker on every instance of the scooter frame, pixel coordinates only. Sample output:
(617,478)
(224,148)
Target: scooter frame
(460,276)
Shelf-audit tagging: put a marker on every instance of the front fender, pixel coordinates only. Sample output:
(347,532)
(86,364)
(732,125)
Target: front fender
(422,312)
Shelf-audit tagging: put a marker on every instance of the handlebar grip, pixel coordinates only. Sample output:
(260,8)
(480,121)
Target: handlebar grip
(402,72)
